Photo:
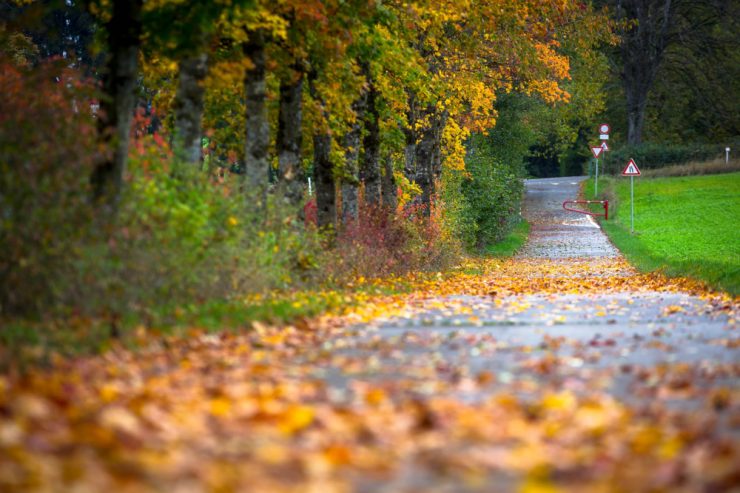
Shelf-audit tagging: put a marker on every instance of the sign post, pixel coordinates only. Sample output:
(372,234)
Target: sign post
(604,130)
(596,151)
(632,170)
(727,155)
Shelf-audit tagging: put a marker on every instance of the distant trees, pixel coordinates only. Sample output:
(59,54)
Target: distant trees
(658,38)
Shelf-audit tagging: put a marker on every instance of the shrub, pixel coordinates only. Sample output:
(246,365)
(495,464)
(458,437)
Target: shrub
(652,156)
(483,200)
(179,238)
(182,238)
(382,243)
(48,142)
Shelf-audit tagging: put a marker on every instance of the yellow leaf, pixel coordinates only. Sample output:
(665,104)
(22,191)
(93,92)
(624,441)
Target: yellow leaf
(375,397)
(220,406)
(561,401)
(296,418)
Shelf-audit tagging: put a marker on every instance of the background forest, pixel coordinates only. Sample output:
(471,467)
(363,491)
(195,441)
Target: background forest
(158,156)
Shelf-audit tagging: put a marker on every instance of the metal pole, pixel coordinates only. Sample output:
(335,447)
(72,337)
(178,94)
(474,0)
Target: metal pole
(596,179)
(727,155)
(632,201)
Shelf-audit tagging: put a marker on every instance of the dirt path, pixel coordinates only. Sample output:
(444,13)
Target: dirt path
(561,370)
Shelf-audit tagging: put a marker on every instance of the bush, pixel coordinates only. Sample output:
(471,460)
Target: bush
(381,243)
(186,238)
(652,156)
(48,141)
(484,200)
(178,239)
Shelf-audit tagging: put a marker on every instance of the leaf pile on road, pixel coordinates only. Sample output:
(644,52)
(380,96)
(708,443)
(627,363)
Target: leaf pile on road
(330,405)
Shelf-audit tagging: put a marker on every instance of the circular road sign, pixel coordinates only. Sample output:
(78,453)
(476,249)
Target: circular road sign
(604,128)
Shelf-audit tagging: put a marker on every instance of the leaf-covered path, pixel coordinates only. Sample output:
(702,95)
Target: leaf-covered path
(562,369)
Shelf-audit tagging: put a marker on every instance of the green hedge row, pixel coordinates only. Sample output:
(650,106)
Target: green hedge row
(651,155)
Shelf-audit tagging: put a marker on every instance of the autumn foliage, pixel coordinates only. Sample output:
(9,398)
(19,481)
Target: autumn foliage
(48,142)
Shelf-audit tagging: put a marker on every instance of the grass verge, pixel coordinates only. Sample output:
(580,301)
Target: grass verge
(684,226)
(512,243)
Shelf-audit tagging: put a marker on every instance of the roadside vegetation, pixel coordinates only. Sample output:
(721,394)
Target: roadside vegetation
(684,226)
(695,168)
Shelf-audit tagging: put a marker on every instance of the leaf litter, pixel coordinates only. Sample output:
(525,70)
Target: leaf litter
(431,391)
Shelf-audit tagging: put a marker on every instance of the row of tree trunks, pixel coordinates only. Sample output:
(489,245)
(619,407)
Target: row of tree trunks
(188,108)
(124,33)
(257,126)
(423,150)
(117,107)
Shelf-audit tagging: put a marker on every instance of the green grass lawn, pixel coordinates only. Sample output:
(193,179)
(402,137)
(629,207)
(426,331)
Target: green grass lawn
(686,226)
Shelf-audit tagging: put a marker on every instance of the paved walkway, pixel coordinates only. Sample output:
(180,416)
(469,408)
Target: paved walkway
(557,233)
(603,330)
(560,370)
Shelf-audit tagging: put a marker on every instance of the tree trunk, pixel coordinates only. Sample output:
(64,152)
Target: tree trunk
(289,136)
(257,123)
(370,170)
(409,152)
(324,179)
(323,171)
(428,159)
(390,198)
(351,182)
(642,49)
(188,108)
(636,106)
(117,106)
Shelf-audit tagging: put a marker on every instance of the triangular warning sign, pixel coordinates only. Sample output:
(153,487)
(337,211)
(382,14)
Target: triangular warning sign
(604,146)
(596,151)
(631,169)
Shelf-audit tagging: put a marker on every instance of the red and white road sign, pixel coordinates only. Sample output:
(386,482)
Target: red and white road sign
(604,146)
(604,128)
(631,169)
(596,151)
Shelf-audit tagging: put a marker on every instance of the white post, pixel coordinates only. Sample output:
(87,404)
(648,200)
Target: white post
(727,155)
(632,201)
(309,187)
(596,179)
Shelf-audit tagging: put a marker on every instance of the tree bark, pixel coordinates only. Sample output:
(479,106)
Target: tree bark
(323,171)
(642,49)
(350,181)
(636,106)
(257,123)
(188,106)
(370,168)
(289,136)
(428,159)
(117,106)
(324,179)
(388,182)
(409,152)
